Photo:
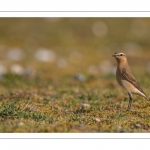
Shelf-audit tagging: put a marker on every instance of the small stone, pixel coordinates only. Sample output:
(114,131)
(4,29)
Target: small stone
(138,125)
(20,124)
(98,119)
(80,77)
(86,105)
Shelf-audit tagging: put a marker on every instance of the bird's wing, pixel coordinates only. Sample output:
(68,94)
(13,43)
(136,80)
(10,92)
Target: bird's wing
(131,79)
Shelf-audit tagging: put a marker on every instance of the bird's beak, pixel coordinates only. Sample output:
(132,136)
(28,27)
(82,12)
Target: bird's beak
(113,55)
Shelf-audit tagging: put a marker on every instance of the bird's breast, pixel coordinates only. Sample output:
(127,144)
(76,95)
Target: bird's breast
(119,77)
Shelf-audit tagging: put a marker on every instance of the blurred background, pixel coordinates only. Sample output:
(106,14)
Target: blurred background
(79,47)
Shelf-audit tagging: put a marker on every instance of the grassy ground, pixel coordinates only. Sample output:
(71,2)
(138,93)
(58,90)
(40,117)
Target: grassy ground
(75,90)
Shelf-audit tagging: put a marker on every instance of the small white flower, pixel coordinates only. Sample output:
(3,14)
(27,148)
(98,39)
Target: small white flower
(17,69)
(45,55)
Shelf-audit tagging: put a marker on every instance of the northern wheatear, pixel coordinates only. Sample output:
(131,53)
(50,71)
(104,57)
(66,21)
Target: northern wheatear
(126,79)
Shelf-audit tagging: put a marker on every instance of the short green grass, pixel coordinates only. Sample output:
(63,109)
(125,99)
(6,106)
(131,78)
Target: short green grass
(57,99)
(73,107)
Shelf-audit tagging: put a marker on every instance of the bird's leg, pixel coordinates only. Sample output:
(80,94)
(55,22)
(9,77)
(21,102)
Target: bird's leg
(130,101)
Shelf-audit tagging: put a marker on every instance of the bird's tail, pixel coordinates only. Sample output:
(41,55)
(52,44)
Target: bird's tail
(145,96)
(148,98)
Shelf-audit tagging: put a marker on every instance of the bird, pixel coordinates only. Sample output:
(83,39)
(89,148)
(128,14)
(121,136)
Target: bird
(126,79)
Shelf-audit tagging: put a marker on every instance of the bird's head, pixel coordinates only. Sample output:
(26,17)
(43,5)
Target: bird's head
(120,57)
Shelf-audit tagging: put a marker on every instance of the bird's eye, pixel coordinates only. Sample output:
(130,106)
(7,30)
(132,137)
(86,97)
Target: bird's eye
(121,54)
